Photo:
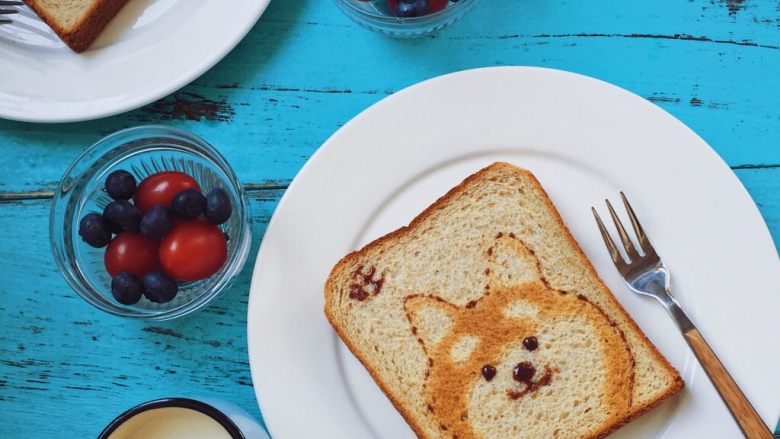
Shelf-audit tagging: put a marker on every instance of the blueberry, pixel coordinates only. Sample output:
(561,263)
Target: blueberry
(159,287)
(188,204)
(412,8)
(156,222)
(218,207)
(122,216)
(95,230)
(120,185)
(126,288)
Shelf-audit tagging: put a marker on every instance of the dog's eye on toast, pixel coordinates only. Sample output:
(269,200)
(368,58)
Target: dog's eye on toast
(489,372)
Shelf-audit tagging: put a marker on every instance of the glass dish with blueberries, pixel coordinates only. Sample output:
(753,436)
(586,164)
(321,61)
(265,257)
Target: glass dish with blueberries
(150,223)
(405,18)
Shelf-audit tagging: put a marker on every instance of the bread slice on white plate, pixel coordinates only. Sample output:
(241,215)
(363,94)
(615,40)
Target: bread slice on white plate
(77,22)
(484,319)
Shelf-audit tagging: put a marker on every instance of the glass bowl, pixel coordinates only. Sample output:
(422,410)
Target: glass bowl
(375,15)
(143,151)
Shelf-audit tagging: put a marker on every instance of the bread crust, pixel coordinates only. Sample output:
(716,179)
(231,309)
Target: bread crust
(677,385)
(88,29)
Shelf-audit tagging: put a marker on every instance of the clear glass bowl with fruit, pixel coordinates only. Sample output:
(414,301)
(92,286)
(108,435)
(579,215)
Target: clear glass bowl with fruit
(150,223)
(405,18)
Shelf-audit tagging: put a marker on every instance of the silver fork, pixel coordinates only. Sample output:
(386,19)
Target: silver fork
(646,274)
(7,8)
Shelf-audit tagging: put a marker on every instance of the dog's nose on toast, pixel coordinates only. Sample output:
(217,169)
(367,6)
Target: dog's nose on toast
(524,374)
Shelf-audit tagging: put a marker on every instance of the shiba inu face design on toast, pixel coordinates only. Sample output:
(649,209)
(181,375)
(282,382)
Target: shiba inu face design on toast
(522,358)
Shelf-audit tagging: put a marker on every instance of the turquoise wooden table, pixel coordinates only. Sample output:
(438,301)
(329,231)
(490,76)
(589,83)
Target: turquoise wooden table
(66,369)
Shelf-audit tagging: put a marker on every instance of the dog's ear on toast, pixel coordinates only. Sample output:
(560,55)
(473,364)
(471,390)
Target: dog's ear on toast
(431,318)
(510,262)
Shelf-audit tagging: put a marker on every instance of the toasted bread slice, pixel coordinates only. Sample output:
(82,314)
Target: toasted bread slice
(77,22)
(484,319)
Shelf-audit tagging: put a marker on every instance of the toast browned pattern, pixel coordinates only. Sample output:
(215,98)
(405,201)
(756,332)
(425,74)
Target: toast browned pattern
(483,319)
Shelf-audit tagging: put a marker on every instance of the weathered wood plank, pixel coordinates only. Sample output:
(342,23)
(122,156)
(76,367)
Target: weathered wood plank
(305,70)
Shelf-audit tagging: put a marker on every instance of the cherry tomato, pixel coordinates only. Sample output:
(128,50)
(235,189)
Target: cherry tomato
(132,252)
(193,250)
(160,188)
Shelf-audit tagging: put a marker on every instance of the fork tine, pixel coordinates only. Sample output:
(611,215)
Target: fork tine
(8,11)
(613,251)
(644,243)
(10,3)
(627,244)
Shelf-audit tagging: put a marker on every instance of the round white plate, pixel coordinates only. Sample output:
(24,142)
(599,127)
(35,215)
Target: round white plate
(152,48)
(585,140)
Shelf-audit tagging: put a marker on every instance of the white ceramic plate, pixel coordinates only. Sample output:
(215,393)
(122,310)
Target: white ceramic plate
(152,48)
(585,140)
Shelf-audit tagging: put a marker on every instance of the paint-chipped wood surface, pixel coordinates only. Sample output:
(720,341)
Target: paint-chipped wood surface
(66,369)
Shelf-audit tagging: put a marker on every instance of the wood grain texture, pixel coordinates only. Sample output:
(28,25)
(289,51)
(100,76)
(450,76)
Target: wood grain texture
(744,413)
(302,72)
(305,70)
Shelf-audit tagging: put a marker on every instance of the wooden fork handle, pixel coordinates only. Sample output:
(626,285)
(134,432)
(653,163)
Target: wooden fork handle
(744,413)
